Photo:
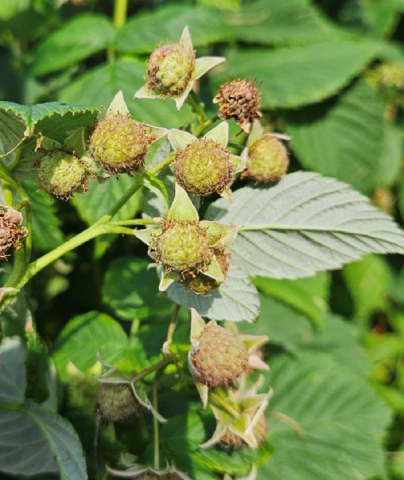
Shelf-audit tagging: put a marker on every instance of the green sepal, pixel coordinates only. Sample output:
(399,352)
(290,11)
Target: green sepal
(182,208)
(140,394)
(147,234)
(167,279)
(179,139)
(214,271)
(118,105)
(219,134)
(76,142)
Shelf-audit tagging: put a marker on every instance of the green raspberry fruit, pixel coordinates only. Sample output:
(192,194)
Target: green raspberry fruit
(116,402)
(183,247)
(119,143)
(231,439)
(267,160)
(169,69)
(62,174)
(203,168)
(200,284)
(239,99)
(220,358)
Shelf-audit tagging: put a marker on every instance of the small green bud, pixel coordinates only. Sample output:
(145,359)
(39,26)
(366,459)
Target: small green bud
(169,69)
(203,167)
(120,144)
(62,174)
(267,160)
(219,357)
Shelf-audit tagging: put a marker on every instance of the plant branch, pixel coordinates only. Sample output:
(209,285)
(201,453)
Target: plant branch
(157,366)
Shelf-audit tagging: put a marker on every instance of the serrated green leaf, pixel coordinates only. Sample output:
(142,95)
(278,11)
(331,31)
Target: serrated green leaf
(52,120)
(77,39)
(342,138)
(131,290)
(293,77)
(304,224)
(295,334)
(369,283)
(86,335)
(46,231)
(272,22)
(100,197)
(237,300)
(126,75)
(144,32)
(307,296)
(337,422)
(35,440)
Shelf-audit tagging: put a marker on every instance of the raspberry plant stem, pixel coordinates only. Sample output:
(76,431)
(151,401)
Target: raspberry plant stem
(120,11)
(157,366)
(216,399)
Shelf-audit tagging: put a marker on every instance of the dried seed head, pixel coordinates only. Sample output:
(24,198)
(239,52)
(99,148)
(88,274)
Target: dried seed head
(239,99)
(169,69)
(119,143)
(183,246)
(267,160)
(116,402)
(203,168)
(11,234)
(220,358)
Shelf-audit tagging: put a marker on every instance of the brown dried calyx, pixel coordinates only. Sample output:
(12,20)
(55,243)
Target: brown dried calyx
(11,234)
(239,99)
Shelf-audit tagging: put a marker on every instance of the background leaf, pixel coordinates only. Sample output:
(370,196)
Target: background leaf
(77,39)
(126,75)
(304,224)
(340,417)
(313,72)
(143,33)
(342,138)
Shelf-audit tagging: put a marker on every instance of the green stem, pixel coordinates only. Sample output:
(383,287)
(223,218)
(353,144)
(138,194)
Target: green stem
(120,12)
(19,279)
(156,432)
(171,326)
(144,221)
(164,163)
(203,126)
(10,180)
(157,366)
(197,106)
(221,402)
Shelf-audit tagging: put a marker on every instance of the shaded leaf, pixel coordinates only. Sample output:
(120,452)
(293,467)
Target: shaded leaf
(45,441)
(292,77)
(126,75)
(12,374)
(145,32)
(340,420)
(86,335)
(304,224)
(273,22)
(342,138)
(75,40)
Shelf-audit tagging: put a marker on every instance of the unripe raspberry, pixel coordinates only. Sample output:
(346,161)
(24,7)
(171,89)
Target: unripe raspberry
(183,247)
(11,234)
(267,160)
(169,69)
(220,358)
(201,284)
(116,402)
(62,174)
(233,440)
(119,143)
(203,168)
(239,99)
